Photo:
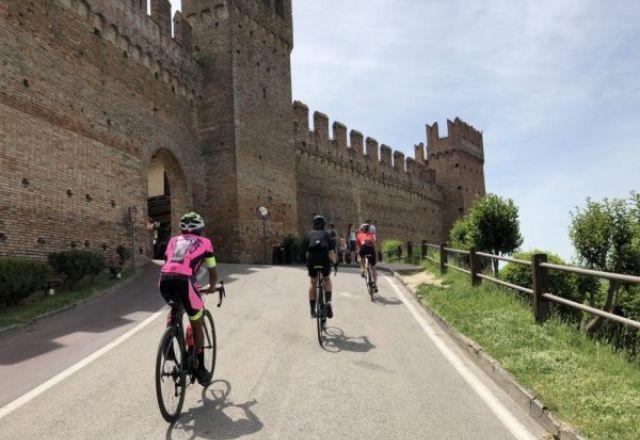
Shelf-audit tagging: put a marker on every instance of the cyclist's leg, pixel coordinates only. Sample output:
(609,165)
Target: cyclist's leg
(362,262)
(373,261)
(312,289)
(328,287)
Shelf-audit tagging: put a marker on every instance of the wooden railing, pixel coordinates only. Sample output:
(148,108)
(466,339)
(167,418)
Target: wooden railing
(540,294)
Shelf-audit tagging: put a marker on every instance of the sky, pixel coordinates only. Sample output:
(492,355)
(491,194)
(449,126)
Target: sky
(553,84)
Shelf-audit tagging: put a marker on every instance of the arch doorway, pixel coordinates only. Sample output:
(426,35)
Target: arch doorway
(166,200)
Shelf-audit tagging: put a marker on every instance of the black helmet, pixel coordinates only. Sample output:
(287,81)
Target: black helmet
(319,222)
(365,227)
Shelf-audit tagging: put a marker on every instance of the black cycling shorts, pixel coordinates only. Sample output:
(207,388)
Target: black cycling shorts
(371,252)
(180,290)
(322,266)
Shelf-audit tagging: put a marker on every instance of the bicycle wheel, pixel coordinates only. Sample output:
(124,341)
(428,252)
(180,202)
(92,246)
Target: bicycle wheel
(320,317)
(370,282)
(210,345)
(171,381)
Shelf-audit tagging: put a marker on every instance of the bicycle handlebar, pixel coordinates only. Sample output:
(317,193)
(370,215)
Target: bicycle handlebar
(220,290)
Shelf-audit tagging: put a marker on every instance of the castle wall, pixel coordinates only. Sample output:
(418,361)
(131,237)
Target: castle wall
(91,91)
(349,183)
(82,110)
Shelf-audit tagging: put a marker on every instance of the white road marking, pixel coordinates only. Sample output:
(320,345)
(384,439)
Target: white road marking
(504,415)
(25,398)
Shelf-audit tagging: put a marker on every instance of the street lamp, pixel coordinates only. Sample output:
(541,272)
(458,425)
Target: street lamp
(262,212)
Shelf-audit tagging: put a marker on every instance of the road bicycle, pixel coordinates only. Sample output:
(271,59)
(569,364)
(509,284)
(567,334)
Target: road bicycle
(321,301)
(177,360)
(368,277)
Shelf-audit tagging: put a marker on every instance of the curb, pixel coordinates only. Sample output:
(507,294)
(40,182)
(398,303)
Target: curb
(524,397)
(6,330)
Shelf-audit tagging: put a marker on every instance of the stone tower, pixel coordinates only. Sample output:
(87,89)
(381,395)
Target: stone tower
(458,161)
(245,127)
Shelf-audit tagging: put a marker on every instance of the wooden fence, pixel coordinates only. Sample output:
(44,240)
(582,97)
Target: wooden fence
(540,294)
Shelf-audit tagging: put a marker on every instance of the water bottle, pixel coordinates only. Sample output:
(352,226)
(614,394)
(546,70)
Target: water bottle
(189,337)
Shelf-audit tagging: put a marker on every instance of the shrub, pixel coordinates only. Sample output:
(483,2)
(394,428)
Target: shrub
(560,283)
(76,264)
(20,278)
(389,248)
(123,254)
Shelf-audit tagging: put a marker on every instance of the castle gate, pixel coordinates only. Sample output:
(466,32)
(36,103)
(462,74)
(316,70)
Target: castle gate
(166,199)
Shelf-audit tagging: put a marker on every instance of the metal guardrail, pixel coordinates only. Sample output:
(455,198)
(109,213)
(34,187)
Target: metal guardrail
(540,273)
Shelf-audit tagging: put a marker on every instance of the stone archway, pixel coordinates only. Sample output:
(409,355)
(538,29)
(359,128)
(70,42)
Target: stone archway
(167,199)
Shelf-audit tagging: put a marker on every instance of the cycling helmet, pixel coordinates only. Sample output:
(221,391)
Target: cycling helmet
(319,222)
(191,223)
(365,227)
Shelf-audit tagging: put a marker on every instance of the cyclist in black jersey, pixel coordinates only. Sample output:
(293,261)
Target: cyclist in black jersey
(318,245)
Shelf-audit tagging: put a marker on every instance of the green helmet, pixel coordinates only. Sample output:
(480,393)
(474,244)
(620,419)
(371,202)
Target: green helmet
(191,223)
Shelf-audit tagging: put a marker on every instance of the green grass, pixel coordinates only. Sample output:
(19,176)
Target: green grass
(582,381)
(39,303)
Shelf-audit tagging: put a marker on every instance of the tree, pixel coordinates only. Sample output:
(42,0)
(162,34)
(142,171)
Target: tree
(492,226)
(605,236)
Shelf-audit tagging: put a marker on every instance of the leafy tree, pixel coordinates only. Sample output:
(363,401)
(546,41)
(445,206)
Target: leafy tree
(605,236)
(492,225)
(460,235)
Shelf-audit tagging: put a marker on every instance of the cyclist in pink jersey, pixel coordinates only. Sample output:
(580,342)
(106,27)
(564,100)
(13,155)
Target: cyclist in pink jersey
(186,254)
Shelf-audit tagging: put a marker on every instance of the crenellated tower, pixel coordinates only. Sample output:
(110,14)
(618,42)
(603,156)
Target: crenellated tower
(458,160)
(244,47)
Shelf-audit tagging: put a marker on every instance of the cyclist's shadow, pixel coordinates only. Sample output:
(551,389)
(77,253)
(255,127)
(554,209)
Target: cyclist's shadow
(213,421)
(336,341)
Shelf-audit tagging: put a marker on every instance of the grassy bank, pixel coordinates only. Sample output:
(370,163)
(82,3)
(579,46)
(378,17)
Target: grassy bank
(39,303)
(582,381)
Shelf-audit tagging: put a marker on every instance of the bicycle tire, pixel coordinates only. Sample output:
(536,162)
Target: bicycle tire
(320,316)
(178,375)
(210,344)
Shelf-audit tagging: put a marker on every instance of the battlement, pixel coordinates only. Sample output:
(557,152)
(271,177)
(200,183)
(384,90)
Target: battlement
(460,135)
(351,148)
(144,38)
(266,20)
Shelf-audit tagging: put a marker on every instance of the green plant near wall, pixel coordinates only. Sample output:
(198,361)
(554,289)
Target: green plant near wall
(21,278)
(76,264)
(389,247)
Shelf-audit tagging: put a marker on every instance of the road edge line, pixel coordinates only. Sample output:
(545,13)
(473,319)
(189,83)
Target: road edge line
(503,414)
(40,389)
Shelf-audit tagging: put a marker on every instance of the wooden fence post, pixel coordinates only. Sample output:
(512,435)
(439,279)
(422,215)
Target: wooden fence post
(409,249)
(540,287)
(474,267)
(443,258)
(399,251)
(423,249)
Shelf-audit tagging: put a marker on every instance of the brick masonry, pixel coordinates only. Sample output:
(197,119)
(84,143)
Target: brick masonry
(92,91)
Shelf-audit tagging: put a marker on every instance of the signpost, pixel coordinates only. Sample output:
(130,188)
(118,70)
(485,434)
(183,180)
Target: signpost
(262,213)
(133,211)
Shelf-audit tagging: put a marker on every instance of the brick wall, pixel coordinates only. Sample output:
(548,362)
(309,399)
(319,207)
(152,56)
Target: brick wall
(82,110)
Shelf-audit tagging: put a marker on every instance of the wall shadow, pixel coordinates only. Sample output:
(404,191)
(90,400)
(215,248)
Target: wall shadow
(101,315)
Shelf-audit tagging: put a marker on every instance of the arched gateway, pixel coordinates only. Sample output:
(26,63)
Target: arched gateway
(167,199)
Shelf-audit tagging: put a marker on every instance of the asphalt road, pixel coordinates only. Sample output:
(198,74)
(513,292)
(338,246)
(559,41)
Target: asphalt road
(387,371)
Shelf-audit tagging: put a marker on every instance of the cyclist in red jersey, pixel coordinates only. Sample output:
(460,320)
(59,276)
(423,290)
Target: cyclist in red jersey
(366,245)
(186,255)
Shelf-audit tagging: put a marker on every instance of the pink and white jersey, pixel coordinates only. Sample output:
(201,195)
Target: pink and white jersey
(186,254)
